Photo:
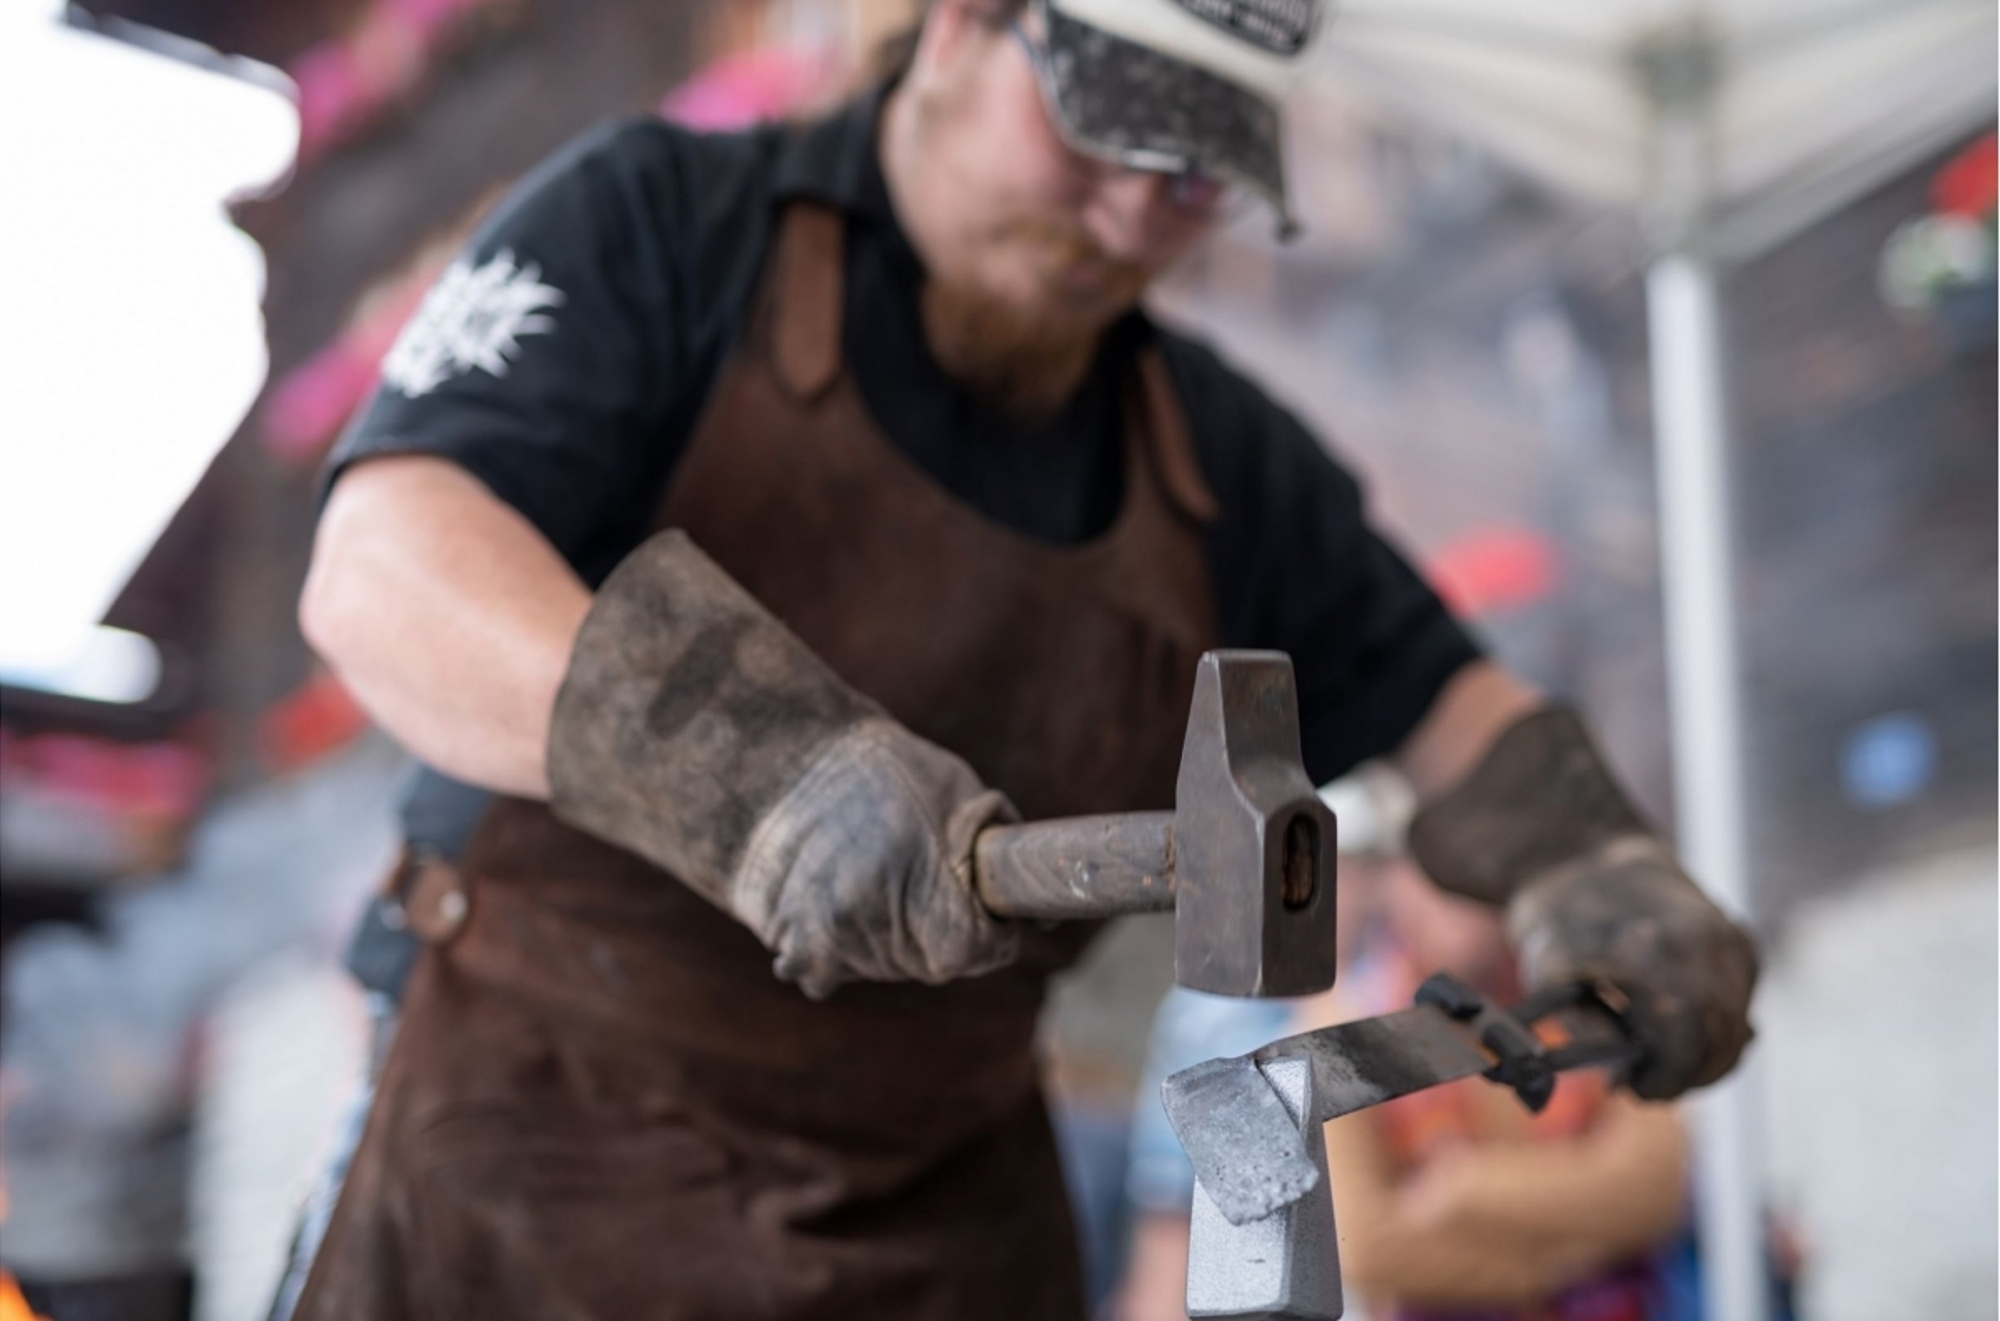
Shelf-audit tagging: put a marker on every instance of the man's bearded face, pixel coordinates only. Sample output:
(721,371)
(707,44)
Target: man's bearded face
(1038,233)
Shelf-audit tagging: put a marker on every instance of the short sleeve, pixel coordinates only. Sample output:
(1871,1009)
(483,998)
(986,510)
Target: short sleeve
(544,358)
(1298,567)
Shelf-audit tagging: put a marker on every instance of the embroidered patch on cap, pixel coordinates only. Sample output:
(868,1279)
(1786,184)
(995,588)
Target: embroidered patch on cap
(1280,26)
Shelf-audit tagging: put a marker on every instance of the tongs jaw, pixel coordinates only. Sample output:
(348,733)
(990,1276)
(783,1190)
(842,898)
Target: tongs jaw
(1522,1061)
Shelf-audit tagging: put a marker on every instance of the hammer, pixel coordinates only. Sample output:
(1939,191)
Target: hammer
(1245,860)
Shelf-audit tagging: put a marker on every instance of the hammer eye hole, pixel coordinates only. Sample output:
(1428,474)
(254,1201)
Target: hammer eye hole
(1301,875)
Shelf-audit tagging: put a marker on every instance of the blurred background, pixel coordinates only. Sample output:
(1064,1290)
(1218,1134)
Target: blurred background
(1565,266)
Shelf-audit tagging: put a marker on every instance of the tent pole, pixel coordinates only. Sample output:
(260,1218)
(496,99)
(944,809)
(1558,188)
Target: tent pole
(1691,451)
(1678,68)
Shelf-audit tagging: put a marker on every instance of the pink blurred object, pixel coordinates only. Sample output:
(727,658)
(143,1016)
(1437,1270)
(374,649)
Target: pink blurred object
(345,82)
(164,780)
(1491,570)
(331,96)
(738,91)
(311,403)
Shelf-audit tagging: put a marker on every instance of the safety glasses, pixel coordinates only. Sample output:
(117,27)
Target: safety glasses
(1192,192)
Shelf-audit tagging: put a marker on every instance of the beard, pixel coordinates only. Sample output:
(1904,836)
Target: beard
(1027,360)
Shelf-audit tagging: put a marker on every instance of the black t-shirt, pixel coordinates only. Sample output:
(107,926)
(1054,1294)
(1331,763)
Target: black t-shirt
(566,356)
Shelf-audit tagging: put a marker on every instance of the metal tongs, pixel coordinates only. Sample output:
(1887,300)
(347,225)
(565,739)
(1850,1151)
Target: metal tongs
(1259,1245)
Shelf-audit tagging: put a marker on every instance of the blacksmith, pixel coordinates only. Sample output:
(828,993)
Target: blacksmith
(743,523)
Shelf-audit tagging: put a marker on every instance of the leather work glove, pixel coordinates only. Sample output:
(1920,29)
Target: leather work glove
(1540,827)
(696,730)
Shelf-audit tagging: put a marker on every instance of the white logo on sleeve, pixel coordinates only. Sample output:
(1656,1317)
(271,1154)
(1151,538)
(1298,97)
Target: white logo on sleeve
(474,317)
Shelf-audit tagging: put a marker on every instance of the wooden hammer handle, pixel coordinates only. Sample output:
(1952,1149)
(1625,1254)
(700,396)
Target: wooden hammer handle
(1077,867)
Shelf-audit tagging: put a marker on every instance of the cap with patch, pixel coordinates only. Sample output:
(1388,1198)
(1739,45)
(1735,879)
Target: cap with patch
(1178,84)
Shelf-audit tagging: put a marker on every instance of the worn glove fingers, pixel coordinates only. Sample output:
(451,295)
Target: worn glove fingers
(863,871)
(816,977)
(1628,914)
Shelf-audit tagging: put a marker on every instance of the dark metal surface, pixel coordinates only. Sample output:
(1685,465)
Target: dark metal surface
(1246,1147)
(1255,845)
(1356,1065)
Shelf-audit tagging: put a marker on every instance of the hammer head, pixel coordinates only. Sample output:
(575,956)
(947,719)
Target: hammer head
(1253,843)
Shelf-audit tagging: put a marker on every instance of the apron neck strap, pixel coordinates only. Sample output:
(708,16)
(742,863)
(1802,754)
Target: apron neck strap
(805,349)
(1169,448)
(805,339)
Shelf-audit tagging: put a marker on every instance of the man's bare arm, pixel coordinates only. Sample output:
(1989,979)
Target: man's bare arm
(447,614)
(1478,703)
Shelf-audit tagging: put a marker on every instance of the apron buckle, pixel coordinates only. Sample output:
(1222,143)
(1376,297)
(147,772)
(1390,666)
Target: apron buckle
(427,894)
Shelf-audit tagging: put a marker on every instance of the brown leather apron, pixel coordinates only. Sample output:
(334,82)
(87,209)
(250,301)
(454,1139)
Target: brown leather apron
(601,1103)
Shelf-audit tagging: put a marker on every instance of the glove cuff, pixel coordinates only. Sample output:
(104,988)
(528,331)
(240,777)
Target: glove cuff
(1540,797)
(688,711)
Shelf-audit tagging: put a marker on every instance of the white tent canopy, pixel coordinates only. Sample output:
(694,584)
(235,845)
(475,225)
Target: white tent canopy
(1812,103)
